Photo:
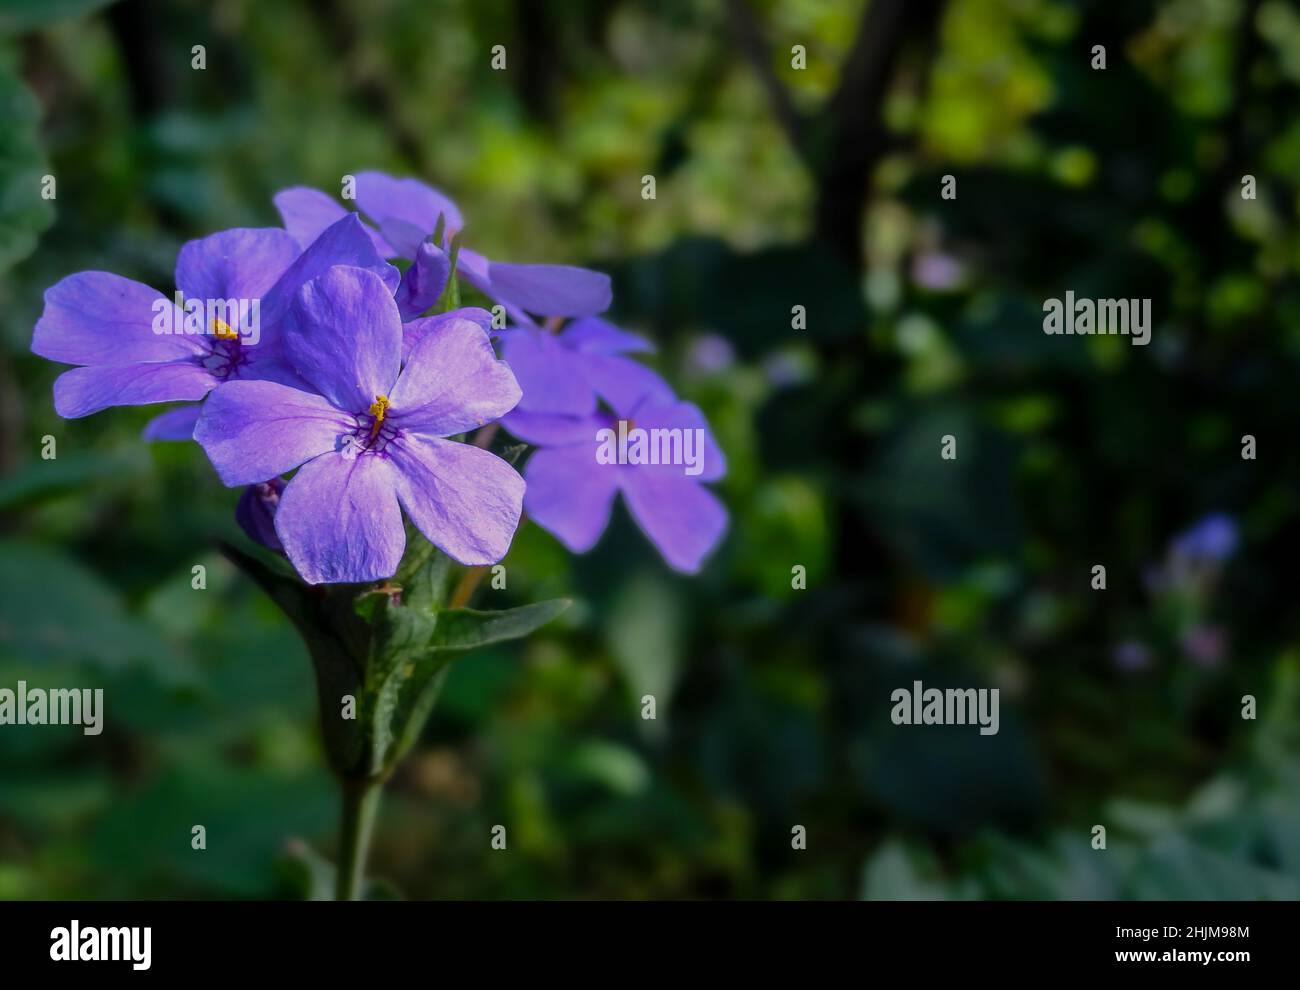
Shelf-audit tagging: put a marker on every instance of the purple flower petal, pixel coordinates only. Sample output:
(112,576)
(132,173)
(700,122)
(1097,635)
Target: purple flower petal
(252,430)
(344,243)
(549,373)
(83,391)
(621,382)
(465,500)
(651,414)
(242,263)
(405,237)
(416,330)
(174,424)
(101,318)
(266,362)
(453,382)
(683,519)
(307,213)
(569,495)
(423,282)
(339,522)
(596,336)
(343,335)
(551,430)
(256,510)
(550,290)
(473,268)
(383,197)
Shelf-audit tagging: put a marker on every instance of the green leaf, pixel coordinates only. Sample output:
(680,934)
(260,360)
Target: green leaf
(43,589)
(423,573)
(897,872)
(450,298)
(1175,868)
(40,480)
(415,705)
(307,873)
(413,650)
(249,816)
(400,656)
(388,646)
(468,629)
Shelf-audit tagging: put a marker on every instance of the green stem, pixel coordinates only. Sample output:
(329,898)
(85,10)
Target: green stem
(360,803)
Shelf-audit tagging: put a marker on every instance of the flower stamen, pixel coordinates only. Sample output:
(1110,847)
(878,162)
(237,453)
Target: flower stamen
(378,409)
(223,329)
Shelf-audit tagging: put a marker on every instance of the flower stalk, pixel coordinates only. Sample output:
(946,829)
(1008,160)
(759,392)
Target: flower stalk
(381,652)
(360,809)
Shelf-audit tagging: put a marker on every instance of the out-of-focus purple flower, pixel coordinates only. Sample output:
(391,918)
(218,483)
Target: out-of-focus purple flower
(255,512)
(1205,646)
(1212,539)
(937,271)
(571,486)
(406,211)
(568,373)
(1131,655)
(788,368)
(107,324)
(708,355)
(370,437)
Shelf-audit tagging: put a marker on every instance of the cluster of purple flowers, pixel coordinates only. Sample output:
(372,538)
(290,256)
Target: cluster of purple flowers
(350,385)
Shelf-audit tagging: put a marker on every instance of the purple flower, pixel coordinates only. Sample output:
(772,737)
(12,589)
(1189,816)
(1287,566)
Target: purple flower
(567,373)
(572,479)
(708,355)
(406,211)
(937,271)
(134,345)
(255,512)
(1131,655)
(369,438)
(1204,645)
(788,368)
(1211,539)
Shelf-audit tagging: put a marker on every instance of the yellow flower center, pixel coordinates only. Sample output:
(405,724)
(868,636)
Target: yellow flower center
(224,330)
(378,409)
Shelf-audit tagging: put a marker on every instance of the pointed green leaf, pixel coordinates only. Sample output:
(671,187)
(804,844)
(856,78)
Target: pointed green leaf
(400,655)
(468,629)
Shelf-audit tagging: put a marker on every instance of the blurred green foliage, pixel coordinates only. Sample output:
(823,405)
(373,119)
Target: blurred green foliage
(1120,708)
